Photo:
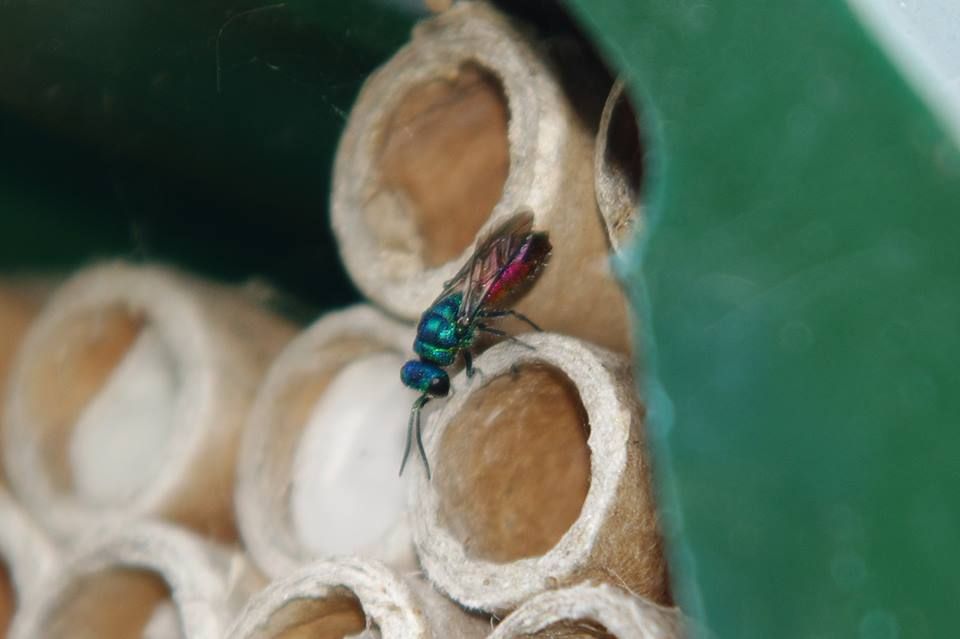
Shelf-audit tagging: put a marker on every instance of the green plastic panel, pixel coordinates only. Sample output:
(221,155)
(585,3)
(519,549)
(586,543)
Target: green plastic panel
(798,288)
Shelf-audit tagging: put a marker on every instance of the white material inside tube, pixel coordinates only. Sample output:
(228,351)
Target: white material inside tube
(164,623)
(120,438)
(346,493)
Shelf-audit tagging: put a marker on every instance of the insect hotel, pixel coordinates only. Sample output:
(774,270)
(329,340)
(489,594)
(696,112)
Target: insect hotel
(451,320)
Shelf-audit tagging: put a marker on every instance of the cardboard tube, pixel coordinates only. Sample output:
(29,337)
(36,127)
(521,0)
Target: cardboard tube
(352,597)
(588,610)
(462,128)
(26,558)
(541,478)
(618,167)
(128,396)
(19,303)
(130,580)
(317,474)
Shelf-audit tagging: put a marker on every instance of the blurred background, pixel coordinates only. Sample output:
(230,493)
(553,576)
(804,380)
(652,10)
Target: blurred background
(199,134)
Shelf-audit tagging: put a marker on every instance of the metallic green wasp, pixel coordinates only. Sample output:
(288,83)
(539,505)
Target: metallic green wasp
(502,268)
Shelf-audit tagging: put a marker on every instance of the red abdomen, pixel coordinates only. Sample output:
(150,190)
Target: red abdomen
(520,271)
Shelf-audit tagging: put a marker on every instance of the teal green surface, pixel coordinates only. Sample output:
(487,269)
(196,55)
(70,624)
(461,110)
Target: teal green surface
(798,289)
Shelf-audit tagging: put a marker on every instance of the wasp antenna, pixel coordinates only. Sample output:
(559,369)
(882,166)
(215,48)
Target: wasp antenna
(414,425)
(406,449)
(423,454)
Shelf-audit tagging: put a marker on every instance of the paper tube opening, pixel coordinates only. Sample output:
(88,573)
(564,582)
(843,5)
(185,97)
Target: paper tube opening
(463,127)
(514,467)
(444,159)
(572,628)
(102,399)
(590,610)
(619,166)
(336,616)
(345,597)
(317,473)
(526,498)
(115,603)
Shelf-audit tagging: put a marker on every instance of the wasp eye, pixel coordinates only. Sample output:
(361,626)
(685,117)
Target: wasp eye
(440,386)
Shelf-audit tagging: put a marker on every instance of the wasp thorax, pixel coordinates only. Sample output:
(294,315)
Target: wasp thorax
(425,377)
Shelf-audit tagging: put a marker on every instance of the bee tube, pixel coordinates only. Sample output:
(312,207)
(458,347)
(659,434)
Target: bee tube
(128,396)
(352,597)
(146,579)
(541,478)
(19,303)
(26,558)
(317,474)
(463,128)
(590,610)
(618,167)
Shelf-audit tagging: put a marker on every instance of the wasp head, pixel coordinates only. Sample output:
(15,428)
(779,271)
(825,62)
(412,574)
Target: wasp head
(425,377)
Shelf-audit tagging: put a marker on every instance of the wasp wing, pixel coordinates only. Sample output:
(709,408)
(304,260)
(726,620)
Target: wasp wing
(492,256)
(518,225)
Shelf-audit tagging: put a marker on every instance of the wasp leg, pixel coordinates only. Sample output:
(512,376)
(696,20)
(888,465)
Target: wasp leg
(468,361)
(470,368)
(414,424)
(495,331)
(519,316)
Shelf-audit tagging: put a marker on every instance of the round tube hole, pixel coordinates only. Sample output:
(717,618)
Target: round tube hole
(514,466)
(444,155)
